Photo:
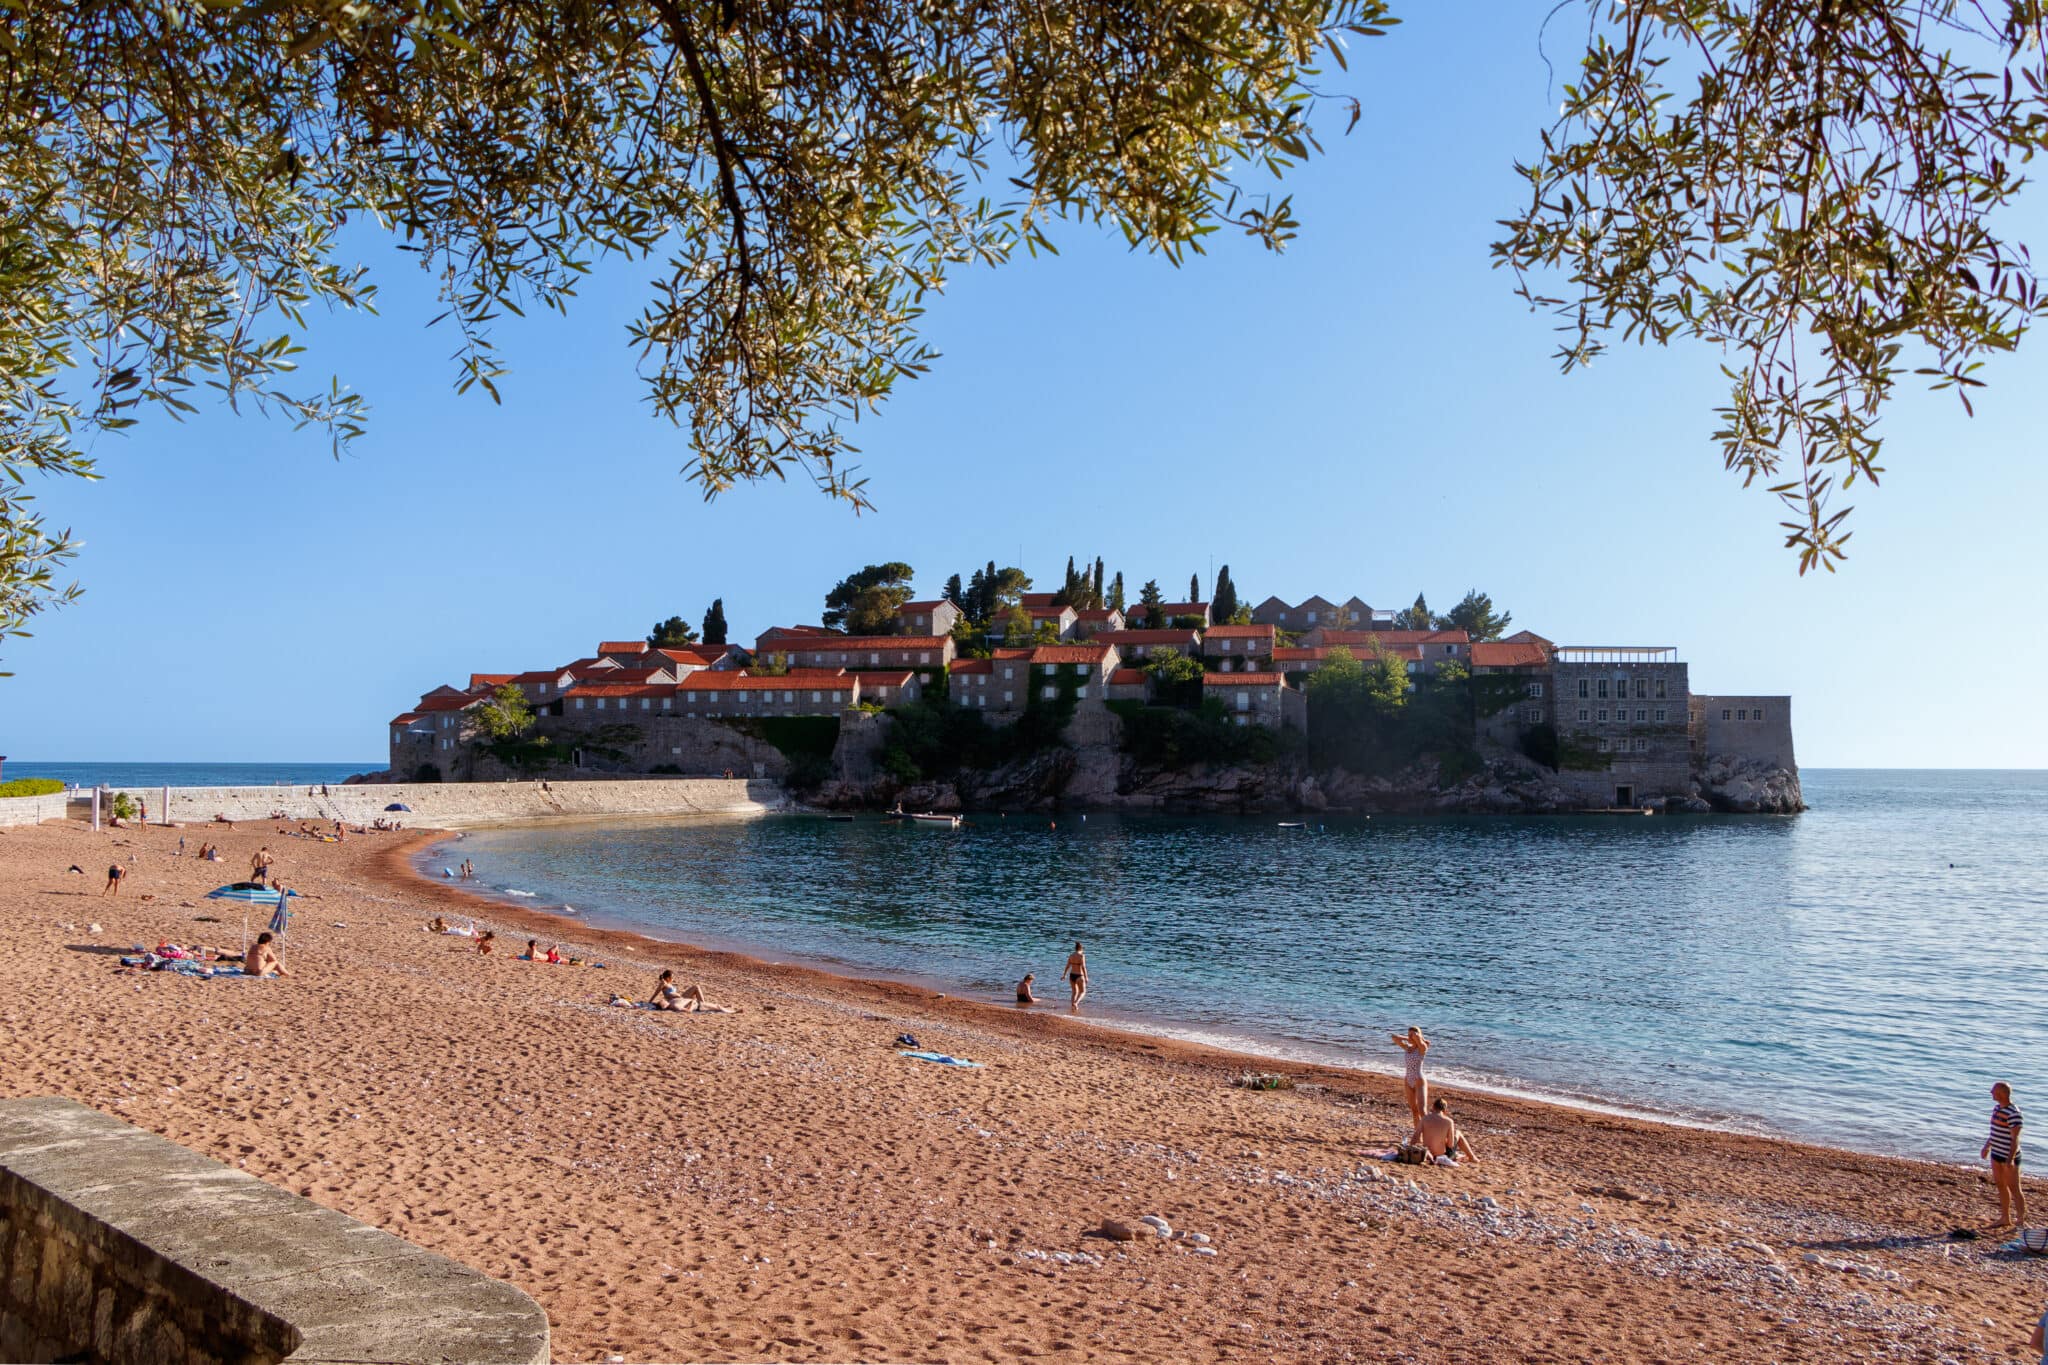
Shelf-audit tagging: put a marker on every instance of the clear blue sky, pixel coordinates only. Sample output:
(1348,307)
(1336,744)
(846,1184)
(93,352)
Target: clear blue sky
(1372,412)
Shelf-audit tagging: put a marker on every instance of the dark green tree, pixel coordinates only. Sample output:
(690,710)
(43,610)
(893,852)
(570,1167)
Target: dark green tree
(1150,598)
(975,605)
(1070,587)
(673,633)
(953,592)
(1100,600)
(1417,617)
(865,603)
(714,622)
(1223,603)
(1194,587)
(1116,592)
(1006,587)
(1475,615)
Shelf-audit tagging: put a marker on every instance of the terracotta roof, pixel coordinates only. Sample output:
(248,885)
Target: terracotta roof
(542,675)
(1243,680)
(926,606)
(1238,633)
(627,676)
(1291,654)
(1149,637)
(871,642)
(1127,677)
(1014,653)
(1522,636)
(1396,637)
(587,664)
(1509,654)
(622,647)
(797,679)
(608,689)
(407,719)
(1090,653)
(874,679)
(1183,608)
(1031,600)
(490,679)
(974,666)
(444,702)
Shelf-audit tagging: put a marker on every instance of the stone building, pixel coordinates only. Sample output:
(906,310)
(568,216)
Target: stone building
(1139,644)
(936,617)
(1239,649)
(1257,699)
(1623,722)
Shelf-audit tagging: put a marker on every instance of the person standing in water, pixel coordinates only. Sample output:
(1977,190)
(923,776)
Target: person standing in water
(2003,1147)
(1077,977)
(1413,1048)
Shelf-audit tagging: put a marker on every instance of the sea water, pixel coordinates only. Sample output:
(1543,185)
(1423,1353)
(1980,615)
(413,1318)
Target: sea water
(137,776)
(1857,975)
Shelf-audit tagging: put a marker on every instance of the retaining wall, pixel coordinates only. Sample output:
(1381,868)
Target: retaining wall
(31,810)
(118,1246)
(455,804)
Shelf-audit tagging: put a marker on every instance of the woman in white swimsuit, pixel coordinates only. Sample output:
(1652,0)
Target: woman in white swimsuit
(1413,1048)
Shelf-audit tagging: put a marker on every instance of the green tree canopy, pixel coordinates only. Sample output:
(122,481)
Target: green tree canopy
(1150,598)
(1475,615)
(865,603)
(1417,617)
(714,622)
(1223,602)
(673,633)
(1168,666)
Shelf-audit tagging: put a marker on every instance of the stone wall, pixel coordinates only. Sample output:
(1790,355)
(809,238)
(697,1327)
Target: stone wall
(32,810)
(121,1247)
(1747,729)
(453,804)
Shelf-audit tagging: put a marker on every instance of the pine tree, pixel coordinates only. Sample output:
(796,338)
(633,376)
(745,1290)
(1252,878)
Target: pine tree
(1223,605)
(991,592)
(977,591)
(1417,617)
(953,590)
(714,622)
(1150,598)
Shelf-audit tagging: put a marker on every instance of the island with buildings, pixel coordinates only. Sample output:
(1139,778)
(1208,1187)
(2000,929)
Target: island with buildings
(1040,701)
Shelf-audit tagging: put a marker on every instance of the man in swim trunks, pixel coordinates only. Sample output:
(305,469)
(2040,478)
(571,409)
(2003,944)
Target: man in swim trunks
(114,875)
(2003,1147)
(1024,995)
(1440,1136)
(1077,976)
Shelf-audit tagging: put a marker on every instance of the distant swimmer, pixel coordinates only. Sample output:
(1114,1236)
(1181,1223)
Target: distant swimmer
(1414,1047)
(1024,995)
(1077,977)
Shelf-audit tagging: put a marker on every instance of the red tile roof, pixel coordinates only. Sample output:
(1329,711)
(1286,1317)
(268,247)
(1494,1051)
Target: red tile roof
(1238,633)
(693,654)
(1127,677)
(1033,600)
(446,702)
(873,679)
(1148,637)
(1291,654)
(627,675)
(1097,614)
(925,606)
(1396,637)
(407,719)
(1509,654)
(1243,680)
(609,689)
(869,642)
(622,647)
(490,679)
(974,666)
(587,664)
(1090,653)
(542,675)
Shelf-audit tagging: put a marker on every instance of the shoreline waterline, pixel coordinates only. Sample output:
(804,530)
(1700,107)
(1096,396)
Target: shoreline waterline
(410,862)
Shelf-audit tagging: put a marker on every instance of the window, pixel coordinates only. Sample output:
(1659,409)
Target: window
(1006,674)
(1660,689)
(1757,714)
(1603,689)
(838,696)
(1642,690)
(579,706)
(1582,714)
(1244,700)
(676,749)
(820,696)
(646,704)
(692,696)
(1009,698)
(1242,720)
(1603,715)
(1081,691)
(1725,714)
(1641,714)
(1050,692)
(1535,689)
(543,689)
(924,656)
(1080,670)
(1642,746)
(1603,744)
(1533,715)
(1660,715)
(1582,687)
(1311,618)
(665,703)
(789,696)
(1742,714)
(875,656)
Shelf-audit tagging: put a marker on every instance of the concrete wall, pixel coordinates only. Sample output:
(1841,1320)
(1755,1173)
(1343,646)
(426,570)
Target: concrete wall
(446,804)
(118,1246)
(1767,741)
(31,810)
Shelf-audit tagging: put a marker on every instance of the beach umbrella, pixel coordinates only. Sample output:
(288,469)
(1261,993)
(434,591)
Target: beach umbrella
(248,893)
(399,805)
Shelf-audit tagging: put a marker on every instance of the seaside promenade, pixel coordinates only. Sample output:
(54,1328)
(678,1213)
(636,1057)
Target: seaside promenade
(781,1184)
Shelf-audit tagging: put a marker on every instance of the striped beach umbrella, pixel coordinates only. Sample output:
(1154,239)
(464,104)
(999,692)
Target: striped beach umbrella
(248,893)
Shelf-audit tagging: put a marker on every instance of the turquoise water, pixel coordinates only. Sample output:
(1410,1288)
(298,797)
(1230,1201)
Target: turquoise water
(189,774)
(1857,975)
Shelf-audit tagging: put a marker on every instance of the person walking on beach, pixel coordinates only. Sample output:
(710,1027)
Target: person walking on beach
(1414,1047)
(2003,1147)
(1077,977)
(259,865)
(114,875)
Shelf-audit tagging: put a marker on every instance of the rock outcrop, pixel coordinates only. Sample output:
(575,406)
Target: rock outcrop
(1749,787)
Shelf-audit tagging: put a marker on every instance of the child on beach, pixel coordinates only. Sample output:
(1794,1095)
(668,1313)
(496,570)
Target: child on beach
(2003,1147)
(1414,1047)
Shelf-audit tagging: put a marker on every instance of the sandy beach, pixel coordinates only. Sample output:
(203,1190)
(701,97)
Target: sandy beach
(781,1184)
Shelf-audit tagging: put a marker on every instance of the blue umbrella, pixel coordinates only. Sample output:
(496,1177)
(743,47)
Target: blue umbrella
(399,805)
(248,893)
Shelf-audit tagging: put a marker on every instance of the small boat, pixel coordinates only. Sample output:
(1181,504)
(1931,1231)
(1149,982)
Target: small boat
(928,818)
(1294,824)
(843,819)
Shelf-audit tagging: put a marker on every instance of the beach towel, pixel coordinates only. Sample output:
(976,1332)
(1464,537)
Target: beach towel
(941,1058)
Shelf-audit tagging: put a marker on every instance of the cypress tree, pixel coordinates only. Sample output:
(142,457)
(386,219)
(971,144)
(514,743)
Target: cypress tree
(1116,592)
(1224,605)
(1194,587)
(714,622)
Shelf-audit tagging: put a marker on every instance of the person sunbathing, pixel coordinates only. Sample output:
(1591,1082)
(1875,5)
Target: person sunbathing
(554,952)
(687,1000)
(263,959)
(532,953)
(1441,1136)
(437,925)
(484,941)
